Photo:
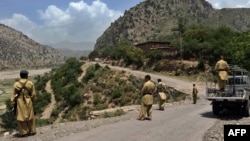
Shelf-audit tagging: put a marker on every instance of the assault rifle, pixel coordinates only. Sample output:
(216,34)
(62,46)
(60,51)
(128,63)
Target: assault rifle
(13,110)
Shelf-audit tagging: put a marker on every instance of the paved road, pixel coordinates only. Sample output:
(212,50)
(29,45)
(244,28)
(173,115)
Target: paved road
(185,122)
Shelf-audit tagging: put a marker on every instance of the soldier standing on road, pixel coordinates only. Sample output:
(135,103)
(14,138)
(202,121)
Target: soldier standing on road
(24,95)
(147,99)
(161,93)
(194,94)
(222,68)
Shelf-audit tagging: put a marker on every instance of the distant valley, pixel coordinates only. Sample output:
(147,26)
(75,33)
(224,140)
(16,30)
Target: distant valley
(73,53)
(71,49)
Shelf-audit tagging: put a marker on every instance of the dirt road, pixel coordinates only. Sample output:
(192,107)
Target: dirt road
(48,111)
(15,73)
(184,122)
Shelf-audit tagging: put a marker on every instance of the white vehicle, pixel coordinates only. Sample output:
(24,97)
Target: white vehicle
(236,95)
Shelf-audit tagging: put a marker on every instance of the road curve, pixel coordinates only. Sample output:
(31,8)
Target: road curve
(184,122)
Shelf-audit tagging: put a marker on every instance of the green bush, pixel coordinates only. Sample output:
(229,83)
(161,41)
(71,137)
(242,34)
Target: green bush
(116,93)
(125,100)
(201,65)
(97,99)
(83,114)
(100,106)
(90,73)
(43,99)
(8,122)
(43,122)
(118,112)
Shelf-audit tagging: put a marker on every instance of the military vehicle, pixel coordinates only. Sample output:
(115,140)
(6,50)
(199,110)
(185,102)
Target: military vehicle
(236,95)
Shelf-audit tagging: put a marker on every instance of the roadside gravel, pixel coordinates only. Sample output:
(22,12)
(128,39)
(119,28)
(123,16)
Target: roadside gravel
(52,132)
(216,132)
(58,130)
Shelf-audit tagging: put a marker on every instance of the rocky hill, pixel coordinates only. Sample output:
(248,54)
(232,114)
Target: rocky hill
(19,51)
(153,20)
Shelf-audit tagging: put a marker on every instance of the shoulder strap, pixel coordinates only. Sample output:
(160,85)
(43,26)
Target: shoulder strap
(23,86)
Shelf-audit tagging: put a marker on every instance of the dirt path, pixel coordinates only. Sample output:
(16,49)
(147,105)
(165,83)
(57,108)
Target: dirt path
(184,122)
(83,67)
(180,85)
(47,112)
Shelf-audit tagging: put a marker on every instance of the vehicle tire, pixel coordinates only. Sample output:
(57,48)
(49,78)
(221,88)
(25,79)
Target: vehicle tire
(246,109)
(216,108)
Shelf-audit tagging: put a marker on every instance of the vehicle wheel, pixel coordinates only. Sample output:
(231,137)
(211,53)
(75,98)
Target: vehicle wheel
(246,109)
(216,108)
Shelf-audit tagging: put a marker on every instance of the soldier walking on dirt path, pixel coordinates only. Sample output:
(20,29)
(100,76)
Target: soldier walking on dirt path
(194,94)
(147,99)
(161,94)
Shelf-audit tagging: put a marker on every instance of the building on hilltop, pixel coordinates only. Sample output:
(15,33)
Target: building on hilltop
(165,47)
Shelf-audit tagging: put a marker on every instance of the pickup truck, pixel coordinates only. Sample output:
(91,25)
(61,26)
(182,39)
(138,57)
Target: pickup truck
(236,95)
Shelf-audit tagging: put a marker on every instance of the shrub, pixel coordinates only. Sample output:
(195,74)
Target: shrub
(116,92)
(43,122)
(118,112)
(97,99)
(101,106)
(43,99)
(124,100)
(8,121)
(201,65)
(83,114)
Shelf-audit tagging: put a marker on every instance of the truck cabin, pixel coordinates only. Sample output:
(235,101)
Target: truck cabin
(237,80)
(237,83)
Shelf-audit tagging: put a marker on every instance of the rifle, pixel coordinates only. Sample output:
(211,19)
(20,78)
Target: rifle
(13,110)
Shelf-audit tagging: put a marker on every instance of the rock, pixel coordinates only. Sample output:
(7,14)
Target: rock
(6,133)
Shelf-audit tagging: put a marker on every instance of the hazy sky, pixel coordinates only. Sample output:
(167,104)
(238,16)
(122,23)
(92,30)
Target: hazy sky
(51,21)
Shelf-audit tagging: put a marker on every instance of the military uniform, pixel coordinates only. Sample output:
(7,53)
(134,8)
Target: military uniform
(147,100)
(194,94)
(222,68)
(161,92)
(24,110)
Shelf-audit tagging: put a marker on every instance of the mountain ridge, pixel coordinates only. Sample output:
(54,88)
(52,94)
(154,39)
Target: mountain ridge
(153,20)
(17,50)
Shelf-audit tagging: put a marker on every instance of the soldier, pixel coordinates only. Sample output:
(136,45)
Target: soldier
(24,95)
(161,93)
(147,99)
(194,94)
(222,68)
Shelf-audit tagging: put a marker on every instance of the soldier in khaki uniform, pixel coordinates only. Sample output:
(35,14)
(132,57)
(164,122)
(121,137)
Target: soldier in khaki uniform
(222,68)
(161,93)
(147,99)
(25,95)
(194,94)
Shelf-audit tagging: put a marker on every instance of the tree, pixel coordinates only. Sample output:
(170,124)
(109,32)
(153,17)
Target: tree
(94,54)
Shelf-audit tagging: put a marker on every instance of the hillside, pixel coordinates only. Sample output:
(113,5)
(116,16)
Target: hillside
(156,19)
(19,51)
